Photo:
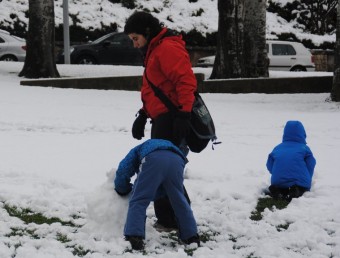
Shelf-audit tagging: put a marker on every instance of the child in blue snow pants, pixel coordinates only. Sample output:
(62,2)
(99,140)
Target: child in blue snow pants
(161,166)
(291,164)
(160,170)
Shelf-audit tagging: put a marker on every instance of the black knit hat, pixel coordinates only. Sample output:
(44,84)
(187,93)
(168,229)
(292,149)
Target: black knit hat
(143,23)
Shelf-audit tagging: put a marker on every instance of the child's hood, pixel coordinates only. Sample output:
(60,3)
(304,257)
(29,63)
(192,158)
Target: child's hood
(294,131)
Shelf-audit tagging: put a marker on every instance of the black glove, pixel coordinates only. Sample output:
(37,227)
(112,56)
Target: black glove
(181,127)
(139,125)
(121,193)
(123,190)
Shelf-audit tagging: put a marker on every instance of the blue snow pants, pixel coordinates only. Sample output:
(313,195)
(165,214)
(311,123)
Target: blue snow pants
(160,171)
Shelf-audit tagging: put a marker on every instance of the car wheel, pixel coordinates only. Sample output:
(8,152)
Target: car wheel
(86,60)
(298,68)
(9,58)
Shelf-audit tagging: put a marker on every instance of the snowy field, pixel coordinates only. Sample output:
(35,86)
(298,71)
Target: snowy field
(60,147)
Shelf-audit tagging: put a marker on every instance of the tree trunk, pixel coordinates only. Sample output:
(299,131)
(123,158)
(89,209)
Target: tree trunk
(335,93)
(241,40)
(255,51)
(229,61)
(40,56)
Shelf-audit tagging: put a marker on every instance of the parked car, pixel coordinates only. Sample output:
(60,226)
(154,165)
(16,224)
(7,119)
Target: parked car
(114,48)
(12,48)
(283,56)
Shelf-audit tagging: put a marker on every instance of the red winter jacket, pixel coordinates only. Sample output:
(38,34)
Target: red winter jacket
(168,67)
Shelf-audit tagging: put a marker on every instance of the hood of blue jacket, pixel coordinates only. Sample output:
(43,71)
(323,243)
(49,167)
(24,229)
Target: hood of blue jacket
(294,131)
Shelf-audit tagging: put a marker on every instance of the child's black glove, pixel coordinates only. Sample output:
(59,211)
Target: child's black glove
(123,189)
(138,126)
(122,194)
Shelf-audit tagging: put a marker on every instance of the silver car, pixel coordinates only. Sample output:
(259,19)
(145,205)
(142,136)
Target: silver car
(12,48)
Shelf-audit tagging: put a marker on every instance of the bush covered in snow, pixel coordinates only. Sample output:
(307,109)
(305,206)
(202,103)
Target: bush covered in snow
(309,22)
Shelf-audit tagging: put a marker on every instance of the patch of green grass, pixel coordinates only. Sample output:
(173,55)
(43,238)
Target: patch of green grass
(22,232)
(28,216)
(80,251)
(269,203)
(62,238)
(190,251)
(17,245)
(256,216)
(282,227)
(130,250)
(76,216)
(173,237)
(238,247)
(208,236)
(232,238)
(198,13)
(251,256)
(18,233)
(174,240)
(330,232)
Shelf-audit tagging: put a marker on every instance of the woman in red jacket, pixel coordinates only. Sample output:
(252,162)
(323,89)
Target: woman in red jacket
(168,67)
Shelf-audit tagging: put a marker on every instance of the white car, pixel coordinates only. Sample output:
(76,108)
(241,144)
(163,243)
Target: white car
(283,56)
(12,48)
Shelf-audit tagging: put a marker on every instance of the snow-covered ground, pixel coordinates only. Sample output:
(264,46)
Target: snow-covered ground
(60,147)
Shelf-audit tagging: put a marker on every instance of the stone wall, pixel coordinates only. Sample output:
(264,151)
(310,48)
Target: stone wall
(256,85)
(324,60)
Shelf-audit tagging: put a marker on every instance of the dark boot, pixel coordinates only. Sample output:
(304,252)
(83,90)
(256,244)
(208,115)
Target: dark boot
(278,193)
(193,239)
(274,192)
(296,191)
(136,242)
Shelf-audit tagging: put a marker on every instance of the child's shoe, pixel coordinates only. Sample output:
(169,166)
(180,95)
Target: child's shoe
(136,242)
(296,191)
(193,239)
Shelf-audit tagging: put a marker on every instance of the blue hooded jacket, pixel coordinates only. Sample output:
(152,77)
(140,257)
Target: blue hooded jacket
(292,162)
(129,166)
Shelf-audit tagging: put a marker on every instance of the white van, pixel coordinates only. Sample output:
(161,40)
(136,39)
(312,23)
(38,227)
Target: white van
(283,56)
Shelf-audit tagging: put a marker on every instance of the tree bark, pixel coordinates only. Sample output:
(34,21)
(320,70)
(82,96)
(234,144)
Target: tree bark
(335,93)
(255,51)
(229,60)
(241,40)
(40,56)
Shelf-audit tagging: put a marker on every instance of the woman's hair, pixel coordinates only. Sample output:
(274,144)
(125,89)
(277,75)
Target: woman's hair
(143,23)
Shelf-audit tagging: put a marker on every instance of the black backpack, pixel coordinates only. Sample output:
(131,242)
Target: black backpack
(202,125)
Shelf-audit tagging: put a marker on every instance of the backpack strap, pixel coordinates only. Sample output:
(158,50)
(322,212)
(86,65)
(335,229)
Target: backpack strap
(160,94)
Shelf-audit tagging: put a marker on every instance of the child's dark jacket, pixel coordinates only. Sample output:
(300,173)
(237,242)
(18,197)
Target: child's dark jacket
(292,162)
(129,166)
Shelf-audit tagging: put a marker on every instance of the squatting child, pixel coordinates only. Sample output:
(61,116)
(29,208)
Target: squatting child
(159,165)
(291,164)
